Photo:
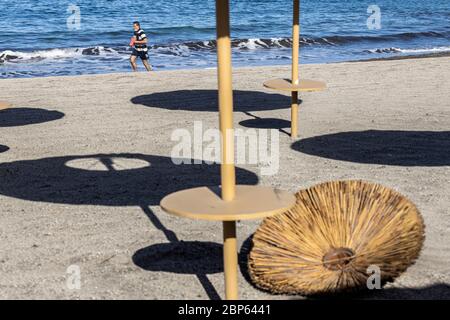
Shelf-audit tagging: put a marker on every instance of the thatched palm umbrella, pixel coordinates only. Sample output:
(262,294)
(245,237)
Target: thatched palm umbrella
(295,85)
(228,202)
(335,237)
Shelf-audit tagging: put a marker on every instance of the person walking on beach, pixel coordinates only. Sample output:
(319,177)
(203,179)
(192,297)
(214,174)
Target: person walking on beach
(140,49)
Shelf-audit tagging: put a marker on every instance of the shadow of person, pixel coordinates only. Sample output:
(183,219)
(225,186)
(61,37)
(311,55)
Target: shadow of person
(107,179)
(120,180)
(207,100)
(398,148)
(3,148)
(16,117)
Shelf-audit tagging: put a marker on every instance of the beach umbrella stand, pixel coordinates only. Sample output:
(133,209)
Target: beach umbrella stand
(228,202)
(294,85)
(4,105)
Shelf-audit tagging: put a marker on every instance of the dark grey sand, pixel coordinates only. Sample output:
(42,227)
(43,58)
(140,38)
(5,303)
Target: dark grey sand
(74,188)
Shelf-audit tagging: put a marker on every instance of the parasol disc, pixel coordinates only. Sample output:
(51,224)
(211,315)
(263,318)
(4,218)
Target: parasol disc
(302,86)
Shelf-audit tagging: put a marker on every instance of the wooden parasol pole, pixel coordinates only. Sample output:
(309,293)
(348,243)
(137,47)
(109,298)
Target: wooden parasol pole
(295,61)
(228,175)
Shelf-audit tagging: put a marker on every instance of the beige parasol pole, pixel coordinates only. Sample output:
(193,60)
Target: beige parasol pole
(295,61)
(295,85)
(225,99)
(228,175)
(239,202)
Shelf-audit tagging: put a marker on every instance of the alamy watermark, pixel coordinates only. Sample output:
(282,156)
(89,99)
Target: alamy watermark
(374,20)
(253,146)
(374,280)
(73,279)
(74,20)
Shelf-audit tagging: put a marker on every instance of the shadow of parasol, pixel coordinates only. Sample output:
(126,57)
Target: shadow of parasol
(123,179)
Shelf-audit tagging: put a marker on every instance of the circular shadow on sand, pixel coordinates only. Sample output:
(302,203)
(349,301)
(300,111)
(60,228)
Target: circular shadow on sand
(399,148)
(266,123)
(16,117)
(107,179)
(3,148)
(192,257)
(206,100)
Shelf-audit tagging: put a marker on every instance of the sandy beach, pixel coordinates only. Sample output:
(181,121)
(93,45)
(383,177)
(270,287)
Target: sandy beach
(85,160)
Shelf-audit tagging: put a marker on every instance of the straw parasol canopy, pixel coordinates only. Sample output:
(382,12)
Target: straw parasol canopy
(337,236)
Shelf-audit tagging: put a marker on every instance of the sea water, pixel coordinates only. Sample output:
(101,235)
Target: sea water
(59,37)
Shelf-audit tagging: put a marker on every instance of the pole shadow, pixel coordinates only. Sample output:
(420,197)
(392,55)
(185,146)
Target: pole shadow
(397,148)
(3,148)
(207,100)
(193,257)
(125,180)
(16,117)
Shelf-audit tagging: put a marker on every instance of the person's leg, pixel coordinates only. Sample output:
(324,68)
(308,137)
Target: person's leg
(133,62)
(147,65)
(144,58)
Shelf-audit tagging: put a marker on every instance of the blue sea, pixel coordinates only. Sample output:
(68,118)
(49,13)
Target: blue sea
(59,37)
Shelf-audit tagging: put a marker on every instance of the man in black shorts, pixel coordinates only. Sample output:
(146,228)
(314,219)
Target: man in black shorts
(140,48)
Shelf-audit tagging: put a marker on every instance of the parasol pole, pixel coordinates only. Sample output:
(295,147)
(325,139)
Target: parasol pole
(236,202)
(228,176)
(295,62)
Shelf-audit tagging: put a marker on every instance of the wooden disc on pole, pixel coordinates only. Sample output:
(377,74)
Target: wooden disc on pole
(4,105)
(303,85)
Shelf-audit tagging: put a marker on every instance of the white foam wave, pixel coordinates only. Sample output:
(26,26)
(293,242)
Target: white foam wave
(53,54)
(413,51)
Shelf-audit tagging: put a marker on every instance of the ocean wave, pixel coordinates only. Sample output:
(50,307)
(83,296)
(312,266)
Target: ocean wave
(54,54)
(385,37)
(185,49)
(175,49)
(412,51)
(178,29)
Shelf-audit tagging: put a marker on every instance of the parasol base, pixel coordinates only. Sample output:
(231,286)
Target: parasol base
(4,105)
(250,202)
(287,85)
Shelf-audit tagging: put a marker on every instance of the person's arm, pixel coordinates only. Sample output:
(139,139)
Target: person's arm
(132,41)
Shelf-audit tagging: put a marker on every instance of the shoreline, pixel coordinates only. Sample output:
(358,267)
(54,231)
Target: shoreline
(407,57)
(394,58)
